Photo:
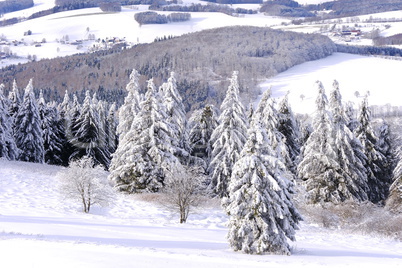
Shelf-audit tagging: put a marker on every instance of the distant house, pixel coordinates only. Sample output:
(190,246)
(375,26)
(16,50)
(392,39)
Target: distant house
(351,32)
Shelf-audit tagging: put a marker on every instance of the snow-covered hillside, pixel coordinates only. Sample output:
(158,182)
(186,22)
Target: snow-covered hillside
(39,229)
(357,76)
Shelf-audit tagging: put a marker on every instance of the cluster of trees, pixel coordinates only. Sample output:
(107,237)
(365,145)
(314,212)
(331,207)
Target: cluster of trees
(110,6)
(370,50)
(35,131)
(202,8)
(389,40)
(344,158)
(286,8)
(14,5)
(150,17)
(239,160)
(347,8)
(232,2)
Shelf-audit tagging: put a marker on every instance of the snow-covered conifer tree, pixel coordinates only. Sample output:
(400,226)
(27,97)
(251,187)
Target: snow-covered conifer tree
(176,117)
(131,105)
(289,128)
(227,139)
(348,149)
(72,116)
(394,200)
(15,100)
(202,122)
(111,128)
(89,139)
(319,167)
(270,119)
(261,212)
(351,119)
(385,147)
(52,132)
(28,129)
(376,172)
(146,152)
(8,148)
(64,125)
(64,106)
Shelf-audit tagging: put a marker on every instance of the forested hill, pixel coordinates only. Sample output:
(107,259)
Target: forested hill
(203,62)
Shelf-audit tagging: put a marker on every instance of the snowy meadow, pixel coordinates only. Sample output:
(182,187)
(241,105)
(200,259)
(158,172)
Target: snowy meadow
(135,232)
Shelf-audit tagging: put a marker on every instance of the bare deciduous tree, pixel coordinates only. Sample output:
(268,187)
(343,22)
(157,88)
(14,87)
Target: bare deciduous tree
(83,182)
(183,190)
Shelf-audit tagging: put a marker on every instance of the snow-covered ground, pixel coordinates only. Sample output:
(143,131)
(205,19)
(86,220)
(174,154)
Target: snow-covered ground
(40,229)
(362,74)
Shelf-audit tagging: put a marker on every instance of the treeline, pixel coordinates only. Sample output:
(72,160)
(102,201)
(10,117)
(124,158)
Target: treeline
(370,50)
(346,8)
(389,40)
(150,17)
(14,5)
(286,8)
(232,2)
(202,8)
(202,61)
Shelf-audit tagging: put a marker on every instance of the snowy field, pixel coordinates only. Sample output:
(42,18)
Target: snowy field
(39,229)
(362,74)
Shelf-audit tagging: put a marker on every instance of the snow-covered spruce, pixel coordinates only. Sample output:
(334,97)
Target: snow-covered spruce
(131,105)
(377,175)
(289,128)
(90,138)
(348,149)
(324,176)
(270,120)
(111,129)
(176,118)
(262,214)
(228,139)
(8,148)
(146,151)
(202,123)
(53,132)
(28,129)
(394,200)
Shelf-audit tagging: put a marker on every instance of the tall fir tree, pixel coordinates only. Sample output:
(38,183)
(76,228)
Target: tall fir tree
(289,128)
(271,122)
(145,154)
(15,100)
(28,131)
(349,151)
(176,117)
(394,200)
(319,167)
(52,132)
(202,122)
(131,105)
(376,172)
(65,126)
(228,139)
(384,144)
(111,128)
(261,212)
(8,148)
(89,139)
